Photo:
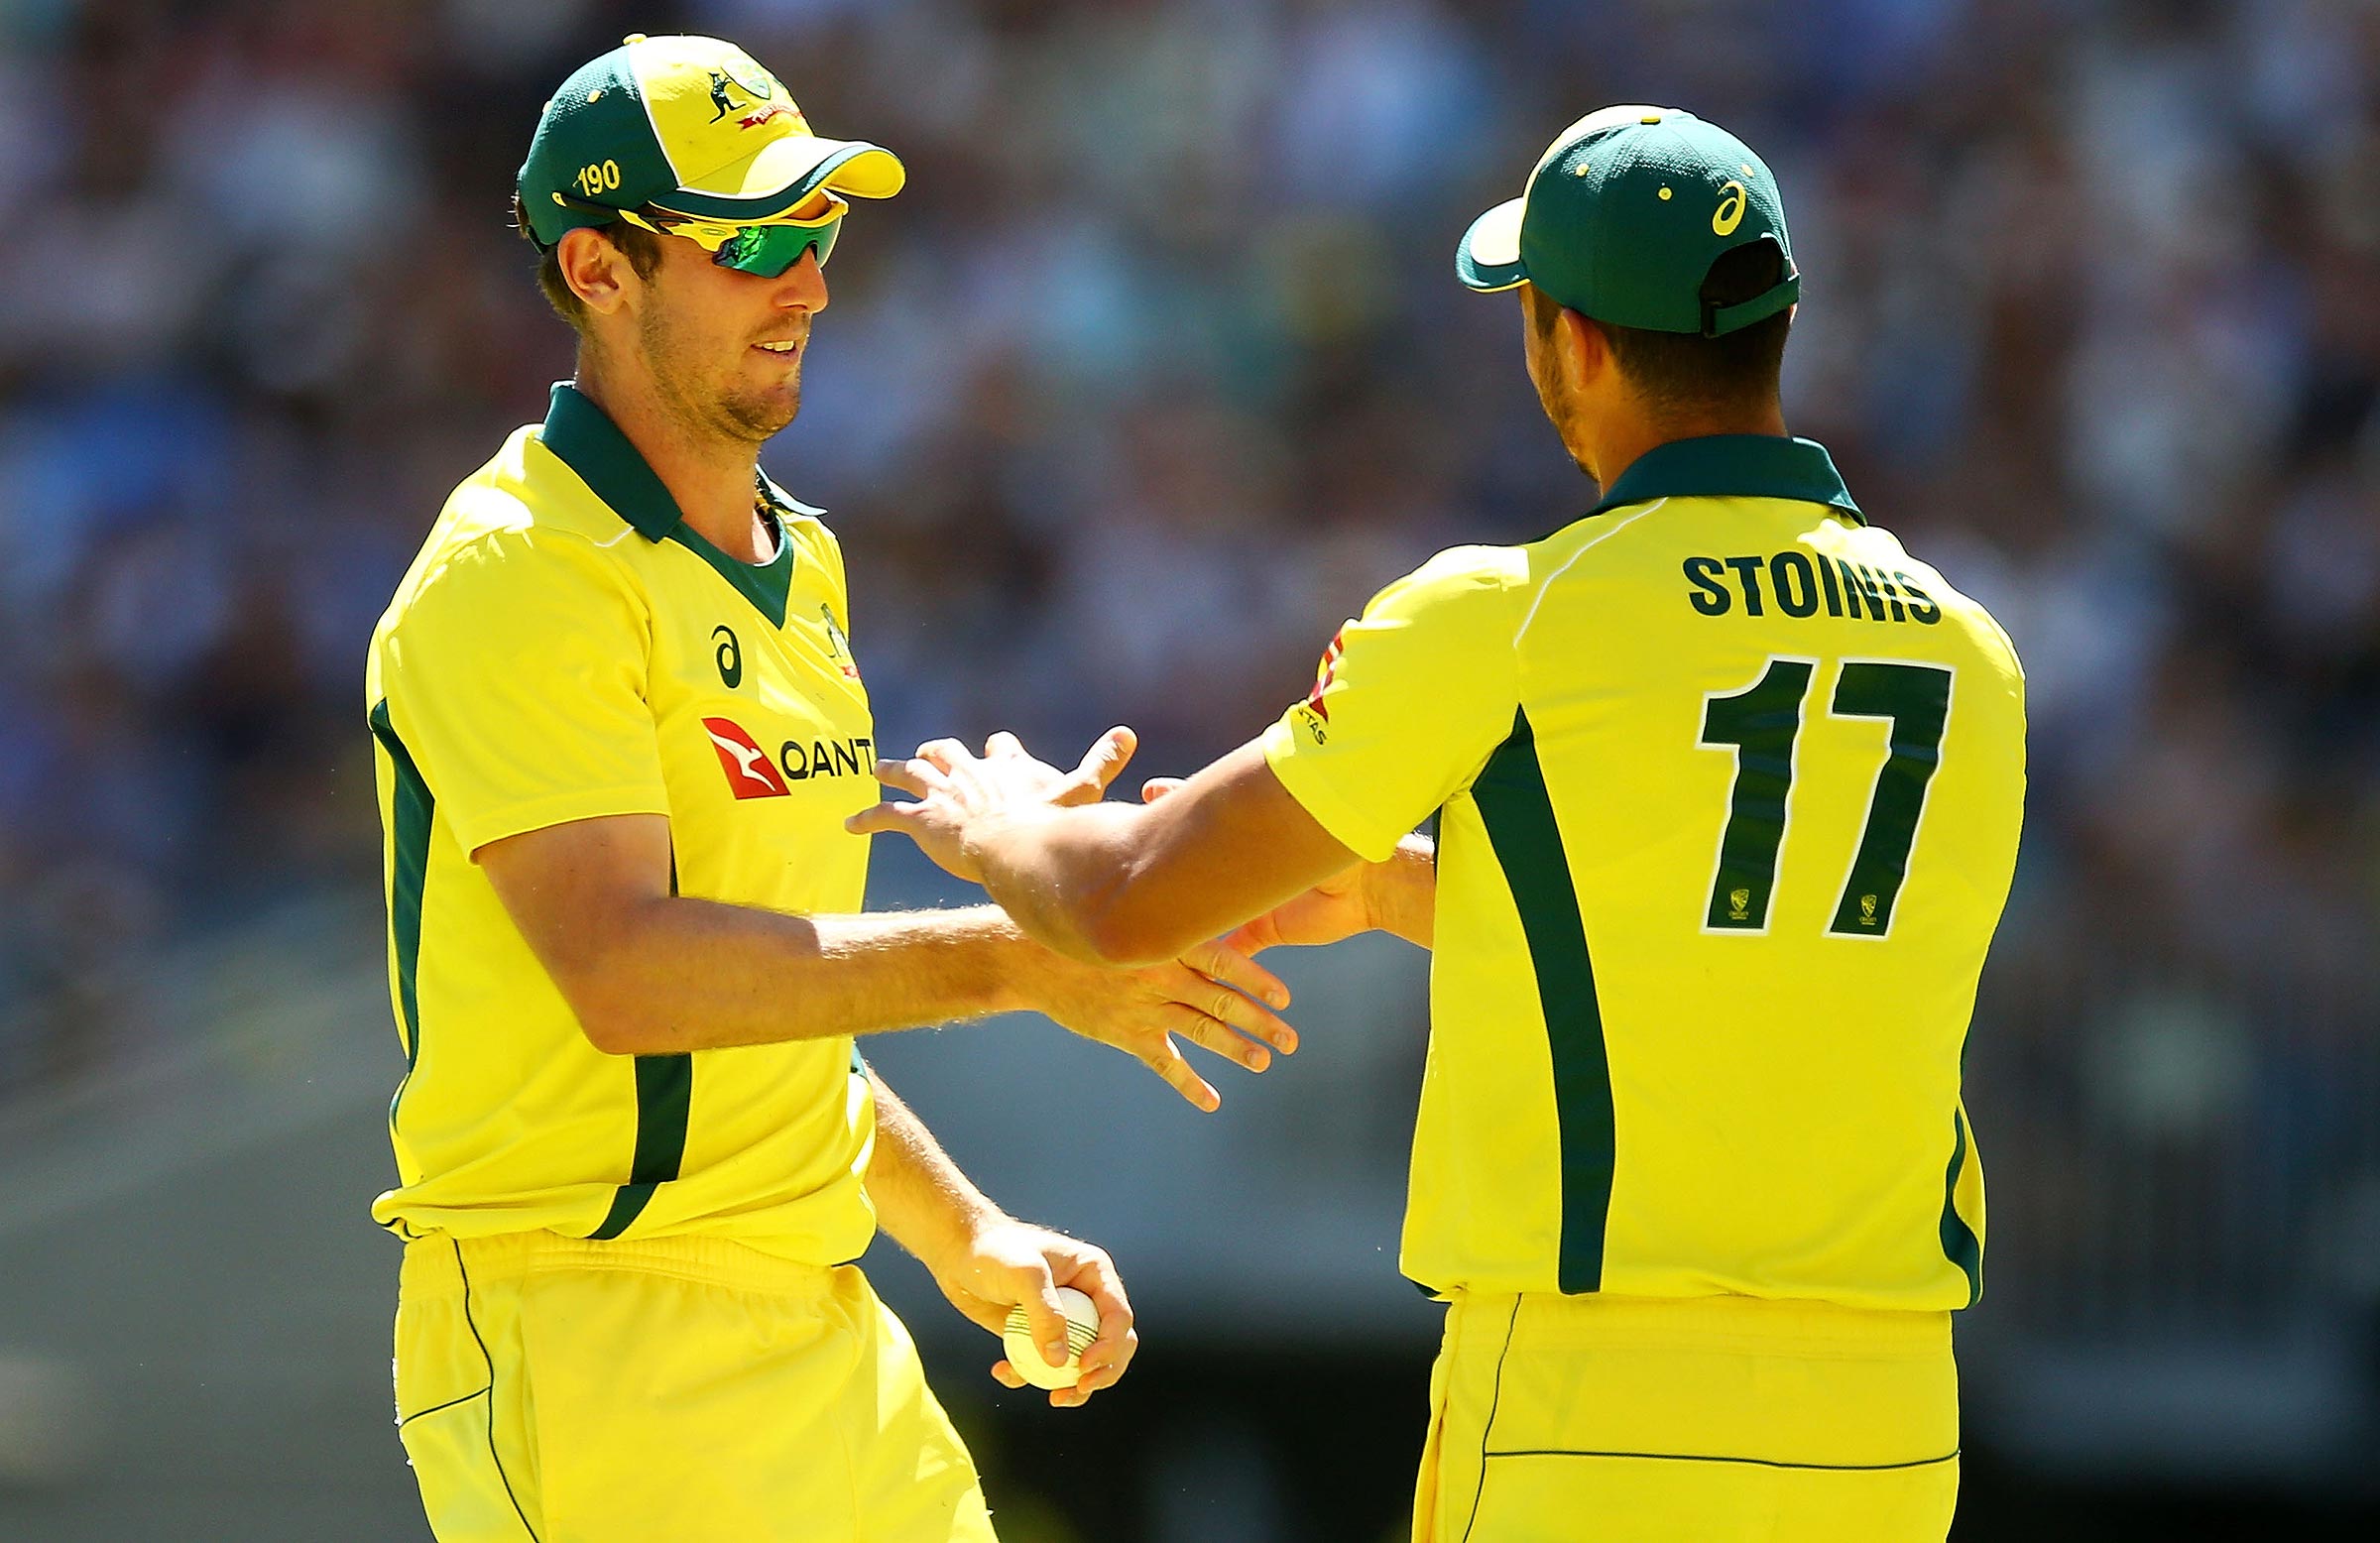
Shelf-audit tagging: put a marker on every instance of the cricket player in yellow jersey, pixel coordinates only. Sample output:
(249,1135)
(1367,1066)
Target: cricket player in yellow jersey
(620,726)
(1729,788)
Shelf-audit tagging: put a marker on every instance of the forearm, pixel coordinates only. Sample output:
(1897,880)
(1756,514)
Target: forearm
(679,974)
(922,1198)
(1061,874)
(1401,894)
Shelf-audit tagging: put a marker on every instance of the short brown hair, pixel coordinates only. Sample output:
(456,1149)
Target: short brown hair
(639,246)
(1684,371)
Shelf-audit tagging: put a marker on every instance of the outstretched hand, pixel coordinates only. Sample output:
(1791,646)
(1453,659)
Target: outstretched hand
(1213,996)
(956,789)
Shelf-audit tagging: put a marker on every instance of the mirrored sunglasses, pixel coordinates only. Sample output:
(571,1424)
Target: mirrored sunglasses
(766,248)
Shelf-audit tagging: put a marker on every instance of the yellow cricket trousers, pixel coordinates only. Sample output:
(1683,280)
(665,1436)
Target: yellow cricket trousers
(1728,1419)
(550,1390)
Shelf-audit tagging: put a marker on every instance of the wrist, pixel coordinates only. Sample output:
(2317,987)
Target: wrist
(961,1237)
(1020,972)
(1388,885)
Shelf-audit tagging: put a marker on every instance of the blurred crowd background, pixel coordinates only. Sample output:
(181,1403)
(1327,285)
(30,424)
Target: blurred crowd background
(1158,369)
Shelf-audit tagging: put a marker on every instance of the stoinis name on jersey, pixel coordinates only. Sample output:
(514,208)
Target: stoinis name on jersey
(1799,583)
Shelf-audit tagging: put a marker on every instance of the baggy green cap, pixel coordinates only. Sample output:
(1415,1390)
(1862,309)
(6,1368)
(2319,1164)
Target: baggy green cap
(1624,214)
(691,125)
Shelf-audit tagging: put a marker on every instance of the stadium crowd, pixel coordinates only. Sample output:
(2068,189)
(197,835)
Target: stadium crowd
(1158,368)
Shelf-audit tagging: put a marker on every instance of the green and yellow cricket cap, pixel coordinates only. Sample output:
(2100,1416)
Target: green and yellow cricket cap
(1623,215)
(693,126)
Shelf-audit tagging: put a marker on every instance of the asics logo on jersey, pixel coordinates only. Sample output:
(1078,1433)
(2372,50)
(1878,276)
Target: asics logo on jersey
(749,771)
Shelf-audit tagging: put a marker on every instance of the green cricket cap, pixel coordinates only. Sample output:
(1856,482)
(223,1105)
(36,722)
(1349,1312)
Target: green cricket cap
(1623,215)
(690,125)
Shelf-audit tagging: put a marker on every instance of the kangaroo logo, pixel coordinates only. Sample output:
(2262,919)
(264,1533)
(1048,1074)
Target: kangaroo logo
(756,106)
(749,771)
(723,95)
(1740,905)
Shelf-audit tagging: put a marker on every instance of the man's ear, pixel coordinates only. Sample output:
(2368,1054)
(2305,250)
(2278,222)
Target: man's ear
(1585,351)
(596,272)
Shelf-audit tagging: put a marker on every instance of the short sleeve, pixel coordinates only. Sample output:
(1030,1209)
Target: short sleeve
(1409,700)
(516,678)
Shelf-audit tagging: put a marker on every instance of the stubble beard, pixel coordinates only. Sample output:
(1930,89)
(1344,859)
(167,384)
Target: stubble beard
(708,409)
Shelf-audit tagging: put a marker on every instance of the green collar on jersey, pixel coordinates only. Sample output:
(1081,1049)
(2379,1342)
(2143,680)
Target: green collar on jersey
(1733,466)
(587,441)
(591,445)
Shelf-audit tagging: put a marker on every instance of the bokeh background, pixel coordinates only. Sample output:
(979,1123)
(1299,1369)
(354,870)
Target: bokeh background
(1153,374)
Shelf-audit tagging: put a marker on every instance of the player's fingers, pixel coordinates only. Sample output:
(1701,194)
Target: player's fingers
(896,817)
(917,777)
(1002,742)
(1206,1001)
(1105,1357)
(1107,757)
(943,755)
(1219,961)
(1046,1317)
(1158,787)
(1115,1358)
(1006,1375)
(1213,1037)
(1255,936)
(1166,1061)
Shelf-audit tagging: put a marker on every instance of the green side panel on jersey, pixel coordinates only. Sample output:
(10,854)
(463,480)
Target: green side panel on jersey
(664,1103)
(1917,700)
(411,812)
(1761,724)
(1519,816)
(664,1100)
(1959,1241)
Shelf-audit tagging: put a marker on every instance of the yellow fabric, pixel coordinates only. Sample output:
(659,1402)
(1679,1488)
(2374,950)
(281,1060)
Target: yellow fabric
(731,129)
(1770,1110)
(1603,1419)
(543,662)
(566,1391)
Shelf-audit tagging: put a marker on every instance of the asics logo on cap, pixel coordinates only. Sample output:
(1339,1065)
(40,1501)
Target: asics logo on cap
(1729,212)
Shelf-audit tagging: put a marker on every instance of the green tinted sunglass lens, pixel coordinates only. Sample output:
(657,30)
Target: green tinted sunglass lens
(769,250)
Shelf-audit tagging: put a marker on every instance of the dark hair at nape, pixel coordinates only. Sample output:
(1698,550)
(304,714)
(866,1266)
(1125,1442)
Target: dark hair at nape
(1686,371)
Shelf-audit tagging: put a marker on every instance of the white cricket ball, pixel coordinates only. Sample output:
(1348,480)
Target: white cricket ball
(1082,1326)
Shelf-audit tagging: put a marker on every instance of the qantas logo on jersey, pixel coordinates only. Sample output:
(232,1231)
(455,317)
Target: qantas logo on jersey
(749,773)
(1324,673)
(752,774)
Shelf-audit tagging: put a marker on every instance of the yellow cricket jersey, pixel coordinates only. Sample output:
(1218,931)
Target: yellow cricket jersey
(1729,789)
(564,648)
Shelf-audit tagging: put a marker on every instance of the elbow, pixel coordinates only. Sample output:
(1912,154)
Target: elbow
(614,1022)
(1113,932)
(611,1031)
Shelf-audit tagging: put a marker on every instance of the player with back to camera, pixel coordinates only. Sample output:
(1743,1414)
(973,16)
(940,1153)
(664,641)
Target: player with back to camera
(1729,788)
(619,730)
